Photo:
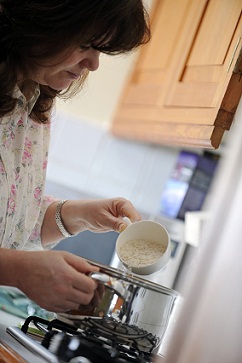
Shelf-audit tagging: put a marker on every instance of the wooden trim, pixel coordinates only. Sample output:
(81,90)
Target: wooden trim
(176,134)
(232,96)
(139,115)
(8,355)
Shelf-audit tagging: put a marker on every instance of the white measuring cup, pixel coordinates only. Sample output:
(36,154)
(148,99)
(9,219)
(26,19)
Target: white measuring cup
(145,232)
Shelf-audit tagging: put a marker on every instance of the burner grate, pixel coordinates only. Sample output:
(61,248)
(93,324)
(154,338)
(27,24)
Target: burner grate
(129,335)
(105,340)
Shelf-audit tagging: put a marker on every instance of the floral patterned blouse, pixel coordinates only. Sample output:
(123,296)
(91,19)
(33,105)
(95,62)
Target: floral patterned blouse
(23,161)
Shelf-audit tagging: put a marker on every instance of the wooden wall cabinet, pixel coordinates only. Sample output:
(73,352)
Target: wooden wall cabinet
(187,82)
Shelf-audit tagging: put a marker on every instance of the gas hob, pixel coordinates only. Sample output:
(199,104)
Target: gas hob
(93,340)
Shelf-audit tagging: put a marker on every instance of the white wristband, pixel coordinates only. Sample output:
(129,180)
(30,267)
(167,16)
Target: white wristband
(58,220)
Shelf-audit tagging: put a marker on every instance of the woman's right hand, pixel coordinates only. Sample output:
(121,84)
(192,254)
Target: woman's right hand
(55,280)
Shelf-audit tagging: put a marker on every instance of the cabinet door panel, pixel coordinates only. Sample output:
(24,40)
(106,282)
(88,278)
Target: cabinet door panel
(193,94)
(155,64)
(185,87)
(210,55)
(202,74)
(142,95)
(215,33)
(159,52)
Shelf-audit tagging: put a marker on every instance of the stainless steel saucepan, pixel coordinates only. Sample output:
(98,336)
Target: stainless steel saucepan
(130,300)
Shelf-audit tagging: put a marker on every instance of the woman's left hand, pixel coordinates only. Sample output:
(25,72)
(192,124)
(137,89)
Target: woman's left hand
(107,214)
(97,215)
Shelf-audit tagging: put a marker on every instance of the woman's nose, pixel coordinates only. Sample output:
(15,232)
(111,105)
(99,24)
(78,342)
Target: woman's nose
(91,62)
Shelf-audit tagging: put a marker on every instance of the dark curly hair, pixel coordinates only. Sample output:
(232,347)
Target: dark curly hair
(32,31)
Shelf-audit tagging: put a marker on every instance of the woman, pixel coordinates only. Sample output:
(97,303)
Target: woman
(47,47)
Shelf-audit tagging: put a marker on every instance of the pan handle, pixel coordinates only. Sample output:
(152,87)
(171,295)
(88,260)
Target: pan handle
(112,283)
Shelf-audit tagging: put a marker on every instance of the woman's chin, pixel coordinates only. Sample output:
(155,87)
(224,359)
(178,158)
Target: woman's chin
(61,87)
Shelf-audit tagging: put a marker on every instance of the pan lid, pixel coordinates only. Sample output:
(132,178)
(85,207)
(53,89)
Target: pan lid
(135,280)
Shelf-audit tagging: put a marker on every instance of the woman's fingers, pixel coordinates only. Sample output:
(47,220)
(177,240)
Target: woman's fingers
(56,280)
(79,263)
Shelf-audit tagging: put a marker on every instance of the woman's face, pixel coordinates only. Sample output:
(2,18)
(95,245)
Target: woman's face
(60,71)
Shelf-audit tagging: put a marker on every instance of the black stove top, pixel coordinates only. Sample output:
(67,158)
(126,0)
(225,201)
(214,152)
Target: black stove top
(93,341)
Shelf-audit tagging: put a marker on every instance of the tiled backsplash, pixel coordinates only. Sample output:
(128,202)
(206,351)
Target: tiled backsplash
(86,159)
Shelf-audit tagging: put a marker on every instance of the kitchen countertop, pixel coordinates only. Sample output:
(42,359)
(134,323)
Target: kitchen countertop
(10,320)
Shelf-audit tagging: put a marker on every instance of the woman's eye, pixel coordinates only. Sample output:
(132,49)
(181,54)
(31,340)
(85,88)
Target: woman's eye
(85,46)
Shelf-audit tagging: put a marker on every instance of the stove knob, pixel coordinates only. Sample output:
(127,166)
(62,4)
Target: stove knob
(80,360)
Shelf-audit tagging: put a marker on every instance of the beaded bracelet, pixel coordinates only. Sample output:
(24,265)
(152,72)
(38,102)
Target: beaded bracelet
(58,220)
